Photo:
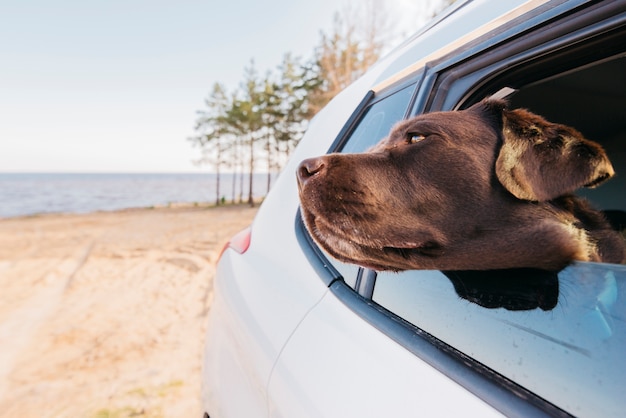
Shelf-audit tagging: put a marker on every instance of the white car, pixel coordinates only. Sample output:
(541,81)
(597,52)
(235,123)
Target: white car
(294,333)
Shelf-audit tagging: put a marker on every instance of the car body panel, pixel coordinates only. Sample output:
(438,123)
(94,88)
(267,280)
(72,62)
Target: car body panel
(243,348)
(306,383)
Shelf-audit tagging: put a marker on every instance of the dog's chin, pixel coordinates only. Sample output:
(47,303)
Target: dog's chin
(342,248)
(349,252)
(387,256)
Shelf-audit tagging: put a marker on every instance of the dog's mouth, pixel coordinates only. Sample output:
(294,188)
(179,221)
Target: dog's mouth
(601,179)
(377,253)
(428,249)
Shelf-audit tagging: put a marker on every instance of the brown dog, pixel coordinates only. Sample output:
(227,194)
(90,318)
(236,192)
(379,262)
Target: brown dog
(484,188)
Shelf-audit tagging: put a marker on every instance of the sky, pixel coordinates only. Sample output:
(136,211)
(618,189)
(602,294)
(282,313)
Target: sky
(114,86)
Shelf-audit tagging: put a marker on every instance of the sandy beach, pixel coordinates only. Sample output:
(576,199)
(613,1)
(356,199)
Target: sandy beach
(103,315)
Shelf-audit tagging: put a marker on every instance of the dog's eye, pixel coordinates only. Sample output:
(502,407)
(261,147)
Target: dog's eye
(413,138)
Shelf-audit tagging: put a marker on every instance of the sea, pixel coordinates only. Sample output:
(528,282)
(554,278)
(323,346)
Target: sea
(23,194)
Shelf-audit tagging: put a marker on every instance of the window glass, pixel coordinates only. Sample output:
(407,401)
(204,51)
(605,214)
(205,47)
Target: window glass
(377,121)
(563,338)
(349,272)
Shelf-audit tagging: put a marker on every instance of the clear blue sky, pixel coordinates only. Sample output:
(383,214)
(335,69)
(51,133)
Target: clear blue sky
(113,86)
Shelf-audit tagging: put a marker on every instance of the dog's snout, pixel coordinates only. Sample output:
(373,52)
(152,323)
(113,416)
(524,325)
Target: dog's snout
(308,168)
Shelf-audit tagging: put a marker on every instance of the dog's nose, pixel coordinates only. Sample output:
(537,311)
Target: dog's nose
(308,168)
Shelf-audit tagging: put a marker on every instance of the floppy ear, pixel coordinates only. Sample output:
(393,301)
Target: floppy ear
(541,161)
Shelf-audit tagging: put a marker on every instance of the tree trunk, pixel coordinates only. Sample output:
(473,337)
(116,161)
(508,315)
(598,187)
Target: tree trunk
(217,186)
(251,178)
(269,163)
(217,175)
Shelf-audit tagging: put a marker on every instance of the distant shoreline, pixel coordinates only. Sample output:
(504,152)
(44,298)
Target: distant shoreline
(173,207)
(29,194)
(165,173)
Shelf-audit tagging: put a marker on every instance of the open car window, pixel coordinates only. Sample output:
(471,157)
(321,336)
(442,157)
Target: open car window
(592,99)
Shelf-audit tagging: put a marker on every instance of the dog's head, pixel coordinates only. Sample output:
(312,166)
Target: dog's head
(442,190)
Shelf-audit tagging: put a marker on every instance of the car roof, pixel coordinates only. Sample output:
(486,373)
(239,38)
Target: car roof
(458,25)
